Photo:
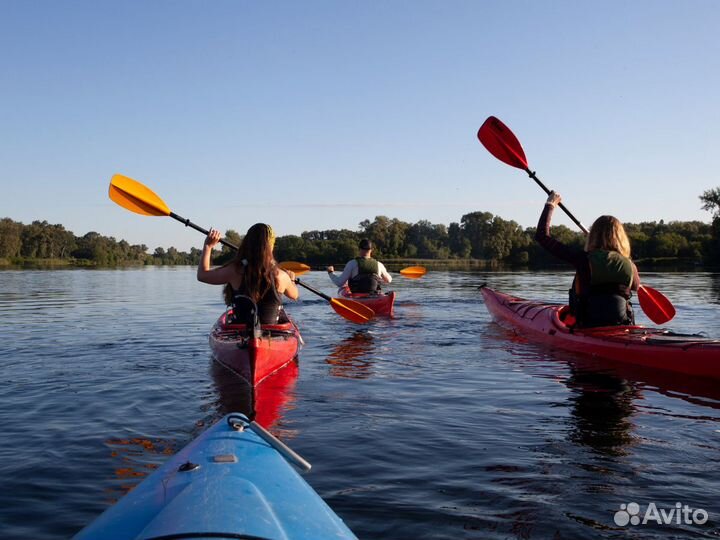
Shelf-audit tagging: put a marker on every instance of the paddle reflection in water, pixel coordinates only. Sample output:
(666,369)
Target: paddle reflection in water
(352,357)
(136,458)
(266,403)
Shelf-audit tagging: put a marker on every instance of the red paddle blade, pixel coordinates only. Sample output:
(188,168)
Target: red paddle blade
(352,310)
(655,305)
(502,143)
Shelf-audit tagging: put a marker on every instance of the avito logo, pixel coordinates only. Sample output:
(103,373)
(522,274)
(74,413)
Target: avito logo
(630,514)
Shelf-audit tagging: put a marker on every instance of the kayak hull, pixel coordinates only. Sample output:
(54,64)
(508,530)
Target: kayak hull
(225,484)
(381,304)
(639,345)
(254,359)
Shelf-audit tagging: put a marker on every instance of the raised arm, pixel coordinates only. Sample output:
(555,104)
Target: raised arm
(542,234)
(214,276)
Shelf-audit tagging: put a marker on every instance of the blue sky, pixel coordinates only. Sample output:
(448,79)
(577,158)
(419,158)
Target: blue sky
(319,114)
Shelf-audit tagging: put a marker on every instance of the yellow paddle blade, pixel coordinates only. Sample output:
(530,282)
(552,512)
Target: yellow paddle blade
(414,272)
(352,310)
(297,267)
(136,197)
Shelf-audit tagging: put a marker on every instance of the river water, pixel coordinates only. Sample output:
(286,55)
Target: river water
(436,424)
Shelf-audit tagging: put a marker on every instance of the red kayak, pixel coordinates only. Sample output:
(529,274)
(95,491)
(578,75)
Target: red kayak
(254,358)
(645,346)
(380,303)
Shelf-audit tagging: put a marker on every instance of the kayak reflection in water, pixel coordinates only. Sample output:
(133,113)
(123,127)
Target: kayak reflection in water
(253,274)
(604,274)
(362,274)
(353,356)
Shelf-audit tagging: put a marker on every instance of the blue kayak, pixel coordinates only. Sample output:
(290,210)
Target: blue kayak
(233,481)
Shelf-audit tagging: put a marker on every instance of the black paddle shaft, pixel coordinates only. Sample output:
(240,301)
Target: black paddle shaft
(309,288)
(561,205)
(190,224)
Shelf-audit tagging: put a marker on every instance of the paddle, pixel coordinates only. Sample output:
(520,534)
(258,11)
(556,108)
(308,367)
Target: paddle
(134,196)
(412,272)
(349,309)
(138,198)
(296,267)
(502,143)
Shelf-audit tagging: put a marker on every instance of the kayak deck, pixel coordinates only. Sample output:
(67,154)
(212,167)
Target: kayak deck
(227,483)
(646,346)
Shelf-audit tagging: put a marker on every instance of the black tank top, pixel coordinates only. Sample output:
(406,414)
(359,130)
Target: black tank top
(268,306)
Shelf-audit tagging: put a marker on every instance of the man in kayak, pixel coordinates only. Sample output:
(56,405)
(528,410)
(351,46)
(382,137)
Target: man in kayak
(252,274)
(604,274)
(362,274)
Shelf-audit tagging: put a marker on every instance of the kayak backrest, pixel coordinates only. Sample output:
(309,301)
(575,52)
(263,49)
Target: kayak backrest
(245,311)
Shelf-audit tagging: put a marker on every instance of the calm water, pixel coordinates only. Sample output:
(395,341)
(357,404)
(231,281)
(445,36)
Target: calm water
(437,424)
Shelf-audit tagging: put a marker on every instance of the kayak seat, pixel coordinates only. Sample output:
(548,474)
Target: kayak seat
(245,311)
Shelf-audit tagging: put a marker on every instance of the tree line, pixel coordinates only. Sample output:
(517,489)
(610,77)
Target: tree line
(41,240)
(477,236)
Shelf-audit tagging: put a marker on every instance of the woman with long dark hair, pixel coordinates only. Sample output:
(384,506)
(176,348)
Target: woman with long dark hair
(252,274)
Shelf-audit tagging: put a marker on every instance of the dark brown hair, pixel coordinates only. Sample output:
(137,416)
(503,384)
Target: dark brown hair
(254,263)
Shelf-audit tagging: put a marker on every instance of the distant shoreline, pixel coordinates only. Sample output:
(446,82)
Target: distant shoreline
(670,264)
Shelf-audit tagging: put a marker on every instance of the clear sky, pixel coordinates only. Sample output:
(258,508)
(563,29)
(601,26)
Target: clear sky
(319,114)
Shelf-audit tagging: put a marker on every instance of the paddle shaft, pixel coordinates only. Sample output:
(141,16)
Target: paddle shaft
(532,175)
(311,289)
(190,224)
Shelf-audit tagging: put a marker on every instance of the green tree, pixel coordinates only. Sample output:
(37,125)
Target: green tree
(387,234)
(10,238)
(711,202)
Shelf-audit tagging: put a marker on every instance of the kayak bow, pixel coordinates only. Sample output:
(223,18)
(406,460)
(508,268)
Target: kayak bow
(233,481)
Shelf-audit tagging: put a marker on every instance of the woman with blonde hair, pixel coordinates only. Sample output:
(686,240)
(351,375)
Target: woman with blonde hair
(252,275)
(605,276)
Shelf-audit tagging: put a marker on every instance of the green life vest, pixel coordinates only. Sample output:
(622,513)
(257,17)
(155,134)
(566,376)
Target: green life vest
(606,303)
(367,280)
(609,268)
(367,265)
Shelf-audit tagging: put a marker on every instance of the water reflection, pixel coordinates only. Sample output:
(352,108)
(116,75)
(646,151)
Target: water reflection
(135,462)
(352,357)
(601,407)
(715,286)
(695,390)
(266,403)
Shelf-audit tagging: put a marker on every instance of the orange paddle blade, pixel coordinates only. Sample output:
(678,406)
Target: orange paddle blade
(297,267)
(414,272)
(655,305)
(352,310)
(134,196)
